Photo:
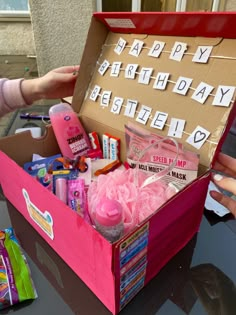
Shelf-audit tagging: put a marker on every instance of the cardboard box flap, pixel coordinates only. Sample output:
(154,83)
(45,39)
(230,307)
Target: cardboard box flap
(206,24)
(97,33)
(200,120)
(21,147)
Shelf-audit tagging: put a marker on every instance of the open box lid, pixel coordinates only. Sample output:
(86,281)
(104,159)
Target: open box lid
(199,94)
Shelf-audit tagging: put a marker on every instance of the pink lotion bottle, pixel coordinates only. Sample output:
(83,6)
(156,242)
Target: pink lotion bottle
(71,137)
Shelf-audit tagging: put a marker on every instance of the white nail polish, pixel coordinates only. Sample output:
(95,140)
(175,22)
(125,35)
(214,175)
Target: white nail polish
(218,177)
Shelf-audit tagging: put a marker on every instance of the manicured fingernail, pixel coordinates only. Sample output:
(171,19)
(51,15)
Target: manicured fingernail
(218,177)
(75,72)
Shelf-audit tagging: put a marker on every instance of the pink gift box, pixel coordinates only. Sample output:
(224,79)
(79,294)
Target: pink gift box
(117,272)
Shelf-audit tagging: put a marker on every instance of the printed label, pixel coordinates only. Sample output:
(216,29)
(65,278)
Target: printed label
(120,23)
(42,219)
(133,263)
(77,144)
(179,173)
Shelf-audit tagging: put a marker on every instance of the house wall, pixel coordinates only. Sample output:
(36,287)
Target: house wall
(57,33)
(16,38)
(60,31)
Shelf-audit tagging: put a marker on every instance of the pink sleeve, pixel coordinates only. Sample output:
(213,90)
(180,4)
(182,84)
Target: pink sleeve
(11,97)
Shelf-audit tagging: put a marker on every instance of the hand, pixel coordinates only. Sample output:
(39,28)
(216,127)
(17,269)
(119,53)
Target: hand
(58,83)
(226,165)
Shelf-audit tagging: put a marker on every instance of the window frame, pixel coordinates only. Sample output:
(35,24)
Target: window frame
(180,5)
(15,15)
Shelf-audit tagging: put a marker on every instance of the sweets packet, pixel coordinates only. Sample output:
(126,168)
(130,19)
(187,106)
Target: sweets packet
(16,284)
(160,157)
(41,169)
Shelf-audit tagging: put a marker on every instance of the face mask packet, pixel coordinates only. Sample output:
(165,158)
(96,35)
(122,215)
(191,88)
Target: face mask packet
(16,284)
(160,157)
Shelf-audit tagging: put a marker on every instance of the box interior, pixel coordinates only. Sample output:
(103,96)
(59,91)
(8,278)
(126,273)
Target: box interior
(167,233)
(101,41)
(218,71)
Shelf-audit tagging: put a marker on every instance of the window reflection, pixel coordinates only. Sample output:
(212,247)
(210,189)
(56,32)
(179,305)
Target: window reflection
(116,5)
(199,5)
(158,5)
(163,5)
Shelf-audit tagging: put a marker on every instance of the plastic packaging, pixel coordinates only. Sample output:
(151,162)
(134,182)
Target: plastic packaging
(70,134)
(16,284)
(61,189)
(181,165)
(42,169)
(76,195)
(109,219)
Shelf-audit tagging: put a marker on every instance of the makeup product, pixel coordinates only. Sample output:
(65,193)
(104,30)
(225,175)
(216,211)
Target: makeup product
(61,189)
(77,196)
(70,134)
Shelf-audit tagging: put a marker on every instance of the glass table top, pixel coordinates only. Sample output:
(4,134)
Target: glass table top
(199,280)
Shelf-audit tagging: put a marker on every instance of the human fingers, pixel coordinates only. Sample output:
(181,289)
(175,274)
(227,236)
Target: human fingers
(226,164)
(225,201)
(67,69)
(226,183)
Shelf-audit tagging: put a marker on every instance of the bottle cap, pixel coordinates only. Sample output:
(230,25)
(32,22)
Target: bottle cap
(108,212)
(59,108)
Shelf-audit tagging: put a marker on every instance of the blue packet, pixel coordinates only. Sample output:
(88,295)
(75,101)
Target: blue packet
(42,170)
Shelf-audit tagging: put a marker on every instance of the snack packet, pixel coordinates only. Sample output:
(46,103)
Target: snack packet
(16,284)
(42,170)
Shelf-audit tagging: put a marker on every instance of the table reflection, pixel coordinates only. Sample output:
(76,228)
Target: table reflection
(193,282)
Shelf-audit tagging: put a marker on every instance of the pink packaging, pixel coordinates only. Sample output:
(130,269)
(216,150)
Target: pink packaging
(61,189)
(71,136)
(102,266)
(76,195)
(155,159)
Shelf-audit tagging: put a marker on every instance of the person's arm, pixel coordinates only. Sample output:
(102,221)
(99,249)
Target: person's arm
(58,83)
(226,165)
(11,96)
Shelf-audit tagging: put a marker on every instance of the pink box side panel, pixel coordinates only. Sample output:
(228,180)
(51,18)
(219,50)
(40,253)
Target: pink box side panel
(66,232)
(142,254)
(174,226)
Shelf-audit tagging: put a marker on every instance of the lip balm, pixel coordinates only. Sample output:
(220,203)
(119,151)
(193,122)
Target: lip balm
(61,189)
